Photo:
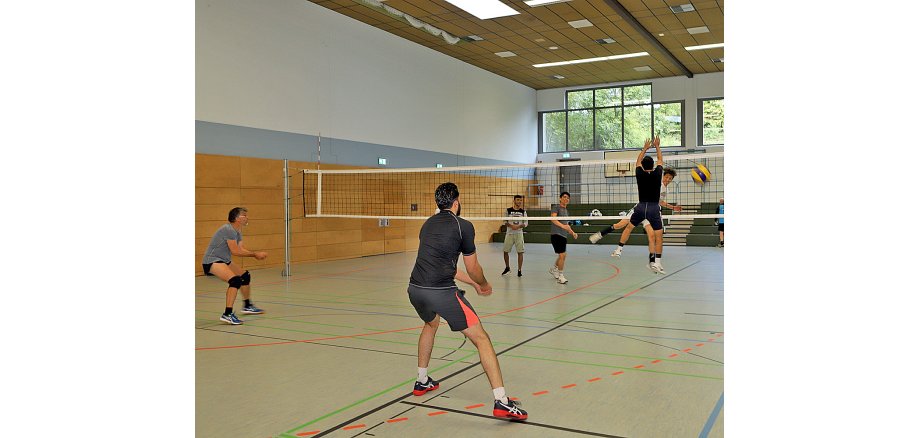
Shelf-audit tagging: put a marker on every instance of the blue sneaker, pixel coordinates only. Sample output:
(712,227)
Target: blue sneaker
(231,319)
(422,388)
(510,410)
(252,310)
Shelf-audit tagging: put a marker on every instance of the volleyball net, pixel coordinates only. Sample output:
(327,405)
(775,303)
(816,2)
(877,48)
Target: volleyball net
(604,187)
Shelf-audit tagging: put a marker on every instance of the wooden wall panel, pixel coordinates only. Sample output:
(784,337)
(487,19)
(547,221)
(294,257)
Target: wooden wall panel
(224,182)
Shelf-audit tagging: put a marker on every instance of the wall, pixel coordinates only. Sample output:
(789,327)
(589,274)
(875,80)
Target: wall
(292,66)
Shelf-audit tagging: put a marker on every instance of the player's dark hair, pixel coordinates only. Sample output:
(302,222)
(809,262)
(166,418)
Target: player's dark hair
(518,197)
(445,195)
(648,163)
(671,172)
(235,213)
(564,194)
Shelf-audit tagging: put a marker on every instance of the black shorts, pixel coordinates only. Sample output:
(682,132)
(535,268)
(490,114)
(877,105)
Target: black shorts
(558,242)
(650,211)
(721,227)
(207,267)
(449,303)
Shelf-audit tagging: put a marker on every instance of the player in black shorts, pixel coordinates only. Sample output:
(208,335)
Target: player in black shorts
(434,295)
(648,178)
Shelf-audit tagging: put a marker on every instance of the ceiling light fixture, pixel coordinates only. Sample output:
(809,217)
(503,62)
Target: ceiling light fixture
(414,22)
(506,54)
(580,23)
(553,47)
(558,77)
(682,8)
(704,47)
(696,30)
(535,3)
(484,9)
(605,41)
(472,38)
(582,61)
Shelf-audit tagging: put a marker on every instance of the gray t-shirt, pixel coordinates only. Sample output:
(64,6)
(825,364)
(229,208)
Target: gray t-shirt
(218,250)
(560,213)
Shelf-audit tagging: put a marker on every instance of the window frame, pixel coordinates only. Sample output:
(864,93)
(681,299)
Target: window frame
(699,123)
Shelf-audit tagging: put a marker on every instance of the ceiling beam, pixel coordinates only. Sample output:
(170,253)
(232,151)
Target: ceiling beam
(647,35)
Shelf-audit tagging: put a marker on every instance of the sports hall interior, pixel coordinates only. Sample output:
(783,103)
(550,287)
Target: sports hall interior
(342,84)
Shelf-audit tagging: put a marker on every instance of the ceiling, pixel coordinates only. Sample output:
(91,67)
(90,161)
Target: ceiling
(634,25)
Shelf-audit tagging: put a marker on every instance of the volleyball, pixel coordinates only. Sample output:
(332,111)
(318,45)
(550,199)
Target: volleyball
(700,174)
(595,212)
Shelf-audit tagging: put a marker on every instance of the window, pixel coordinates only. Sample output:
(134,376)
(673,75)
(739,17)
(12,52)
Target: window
(668,120)
(610,118)
(553,138)
(711,122)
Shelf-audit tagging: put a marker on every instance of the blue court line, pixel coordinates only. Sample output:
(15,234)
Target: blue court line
(712,417)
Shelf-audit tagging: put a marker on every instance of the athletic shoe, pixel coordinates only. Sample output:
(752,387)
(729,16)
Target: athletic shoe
(510,410)
(721,245)
(561,279)
(507,270)
(595,237)
(617,252)
(422,388)
(651,267)
(231,319)
(555,271)
(519,274)
(658,268)
(252,310)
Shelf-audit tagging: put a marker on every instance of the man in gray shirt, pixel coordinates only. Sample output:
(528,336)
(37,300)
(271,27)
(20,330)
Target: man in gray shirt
(227,242)
(558,237)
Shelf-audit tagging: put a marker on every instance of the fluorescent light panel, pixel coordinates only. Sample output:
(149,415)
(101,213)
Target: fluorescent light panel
(580,23)
(484,9)
(705,46)
(582,61)
(642,68)
(506,54)
(696,30)
(535,3)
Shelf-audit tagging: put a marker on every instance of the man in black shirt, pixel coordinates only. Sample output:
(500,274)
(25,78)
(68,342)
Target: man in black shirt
(648,178)
(434,294)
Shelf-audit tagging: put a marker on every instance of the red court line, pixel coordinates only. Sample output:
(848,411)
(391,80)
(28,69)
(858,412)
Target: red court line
(540,393)
(656,361)
(617,373)
(686,350)
(639,366)
(568,386)
(312,432)
(513,398)
(437,413)
(699,345)
(265,344)
(594,379)
(396,420)
(474,406)
(710,339)
(673,355)
(357,426)
(718,334)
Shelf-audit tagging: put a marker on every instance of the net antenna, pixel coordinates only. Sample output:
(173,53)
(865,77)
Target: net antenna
(486,191)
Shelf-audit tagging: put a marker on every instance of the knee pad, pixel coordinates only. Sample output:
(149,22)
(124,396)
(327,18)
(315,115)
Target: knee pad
(235,282)
(245,278)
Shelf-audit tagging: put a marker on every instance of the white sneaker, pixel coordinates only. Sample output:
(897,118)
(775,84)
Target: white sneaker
(555,271)
(561,279)
(651,267)
(595,237)
(617,252)
(658,268)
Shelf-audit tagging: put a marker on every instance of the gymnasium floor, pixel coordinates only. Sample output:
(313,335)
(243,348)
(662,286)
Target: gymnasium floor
(618,351)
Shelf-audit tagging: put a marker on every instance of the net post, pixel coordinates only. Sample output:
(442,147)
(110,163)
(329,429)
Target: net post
(319,192)
(286,270)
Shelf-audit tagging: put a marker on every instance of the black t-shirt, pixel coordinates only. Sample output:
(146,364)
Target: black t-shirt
(649,184)
(442,239)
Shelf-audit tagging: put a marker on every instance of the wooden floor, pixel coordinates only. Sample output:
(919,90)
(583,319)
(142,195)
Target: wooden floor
(618,351)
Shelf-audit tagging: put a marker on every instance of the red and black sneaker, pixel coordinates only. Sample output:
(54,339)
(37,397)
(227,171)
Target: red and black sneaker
(510,410)
(422,388)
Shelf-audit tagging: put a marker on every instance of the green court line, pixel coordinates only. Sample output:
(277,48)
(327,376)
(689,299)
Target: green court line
(452,338)
(405,382)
